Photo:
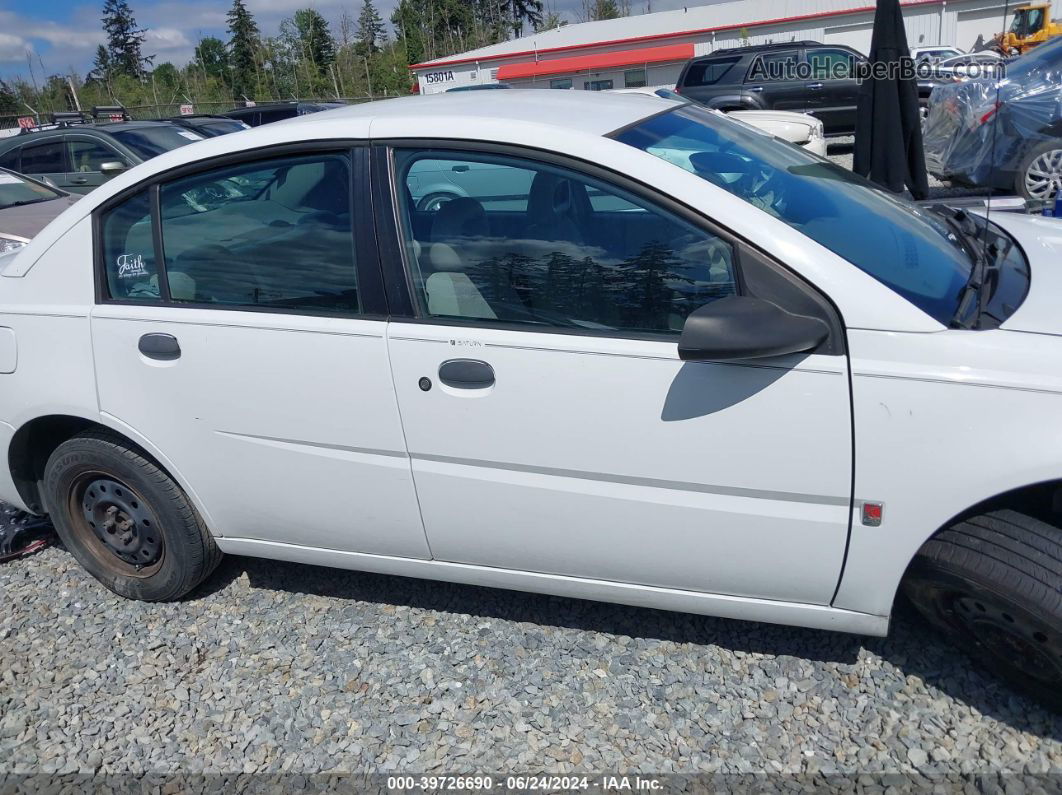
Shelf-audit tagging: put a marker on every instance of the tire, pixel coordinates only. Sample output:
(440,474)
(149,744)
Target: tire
(1039,176)
(125,520)
(993,583)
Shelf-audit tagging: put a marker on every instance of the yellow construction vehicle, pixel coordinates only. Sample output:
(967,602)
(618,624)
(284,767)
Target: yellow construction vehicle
(1032,25)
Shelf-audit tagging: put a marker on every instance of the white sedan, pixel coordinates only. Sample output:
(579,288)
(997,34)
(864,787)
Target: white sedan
(670,362)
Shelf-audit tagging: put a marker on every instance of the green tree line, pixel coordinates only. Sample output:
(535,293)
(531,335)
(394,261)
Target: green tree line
(306,58)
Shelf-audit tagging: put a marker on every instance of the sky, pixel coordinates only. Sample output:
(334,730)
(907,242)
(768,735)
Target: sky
(63,34)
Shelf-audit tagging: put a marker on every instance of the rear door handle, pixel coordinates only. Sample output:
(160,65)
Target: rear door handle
(163,347)
(757,89)
(466,374)
(816,86)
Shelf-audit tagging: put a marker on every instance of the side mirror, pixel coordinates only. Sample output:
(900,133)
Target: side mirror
(112,167)
(742,327)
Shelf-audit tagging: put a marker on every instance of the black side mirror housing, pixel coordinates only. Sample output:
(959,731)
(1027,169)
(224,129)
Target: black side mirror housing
(743,327)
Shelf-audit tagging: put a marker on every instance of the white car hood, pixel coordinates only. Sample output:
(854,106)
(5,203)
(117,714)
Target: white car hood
(1041,239)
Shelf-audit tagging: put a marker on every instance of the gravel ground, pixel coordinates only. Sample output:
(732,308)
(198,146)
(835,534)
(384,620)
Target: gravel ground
(274,667)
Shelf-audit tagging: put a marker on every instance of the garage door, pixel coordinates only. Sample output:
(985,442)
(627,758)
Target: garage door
(856,36)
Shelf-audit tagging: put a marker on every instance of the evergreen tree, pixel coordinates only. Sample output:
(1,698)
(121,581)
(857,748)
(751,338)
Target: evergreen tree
(243,49)
(521,11)
(101,66)
(371,31)
(314,39)
(603,9)
(124,39)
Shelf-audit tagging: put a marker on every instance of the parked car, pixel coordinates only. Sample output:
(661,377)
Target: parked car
(1003,134)
(80,157)
(801,129)
(679,368)
(934,54)
(764,78)
(278,111)
(26,206)
(208,125)
(974,65)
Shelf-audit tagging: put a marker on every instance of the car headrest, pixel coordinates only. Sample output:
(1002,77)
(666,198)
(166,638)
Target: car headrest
(458,218)
(552,197)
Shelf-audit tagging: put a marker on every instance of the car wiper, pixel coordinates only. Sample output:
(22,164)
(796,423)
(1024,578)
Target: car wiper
(24,202)
(984,272)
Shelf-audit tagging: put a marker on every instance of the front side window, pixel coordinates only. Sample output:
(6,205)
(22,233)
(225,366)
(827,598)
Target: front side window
(87,156)
(272,234)
(128,251)
(908,248)
(831,64)
(43,158)
(540,246)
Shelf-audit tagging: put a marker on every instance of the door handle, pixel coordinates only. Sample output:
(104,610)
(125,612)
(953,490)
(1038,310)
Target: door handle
(163,347)
(79,181)
(816,86)
(466,374)
(757,89)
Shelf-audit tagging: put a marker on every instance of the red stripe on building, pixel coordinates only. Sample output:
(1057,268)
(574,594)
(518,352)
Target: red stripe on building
(674,35)
(596,63)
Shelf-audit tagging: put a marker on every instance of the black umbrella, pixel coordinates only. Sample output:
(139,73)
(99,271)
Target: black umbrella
(888,144)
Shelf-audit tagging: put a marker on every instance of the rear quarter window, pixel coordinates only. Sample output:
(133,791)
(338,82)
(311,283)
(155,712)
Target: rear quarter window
(707,73)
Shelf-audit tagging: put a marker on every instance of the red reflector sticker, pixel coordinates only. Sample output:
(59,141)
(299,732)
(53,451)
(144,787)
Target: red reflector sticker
(872,513)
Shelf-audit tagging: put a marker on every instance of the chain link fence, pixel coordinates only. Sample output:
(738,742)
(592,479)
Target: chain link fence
(9,124)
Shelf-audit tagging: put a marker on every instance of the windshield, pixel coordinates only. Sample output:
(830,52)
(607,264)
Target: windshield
(1043,62)
(149,142)
(16,191)
(909,249)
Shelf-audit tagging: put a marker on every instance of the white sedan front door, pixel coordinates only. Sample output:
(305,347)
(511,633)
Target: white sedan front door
(553,427)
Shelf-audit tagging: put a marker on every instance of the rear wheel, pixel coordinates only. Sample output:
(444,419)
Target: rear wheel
(1040,173)
(994,584)
(125,520)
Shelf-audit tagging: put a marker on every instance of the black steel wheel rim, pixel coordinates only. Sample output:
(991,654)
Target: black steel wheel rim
(118,524)
(1009,636)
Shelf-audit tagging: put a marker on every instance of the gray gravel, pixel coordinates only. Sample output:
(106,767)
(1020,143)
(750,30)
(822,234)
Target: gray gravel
(274,667)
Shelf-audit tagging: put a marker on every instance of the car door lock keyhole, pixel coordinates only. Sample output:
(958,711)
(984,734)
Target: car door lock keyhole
(424,384)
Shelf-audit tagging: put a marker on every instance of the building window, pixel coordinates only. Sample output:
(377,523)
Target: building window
(561,82)
(634,78)
(597,85)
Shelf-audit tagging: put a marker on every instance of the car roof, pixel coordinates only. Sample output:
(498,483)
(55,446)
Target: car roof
(593,113)
(81,129)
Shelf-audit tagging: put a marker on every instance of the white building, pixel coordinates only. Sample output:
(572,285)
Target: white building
(650,49)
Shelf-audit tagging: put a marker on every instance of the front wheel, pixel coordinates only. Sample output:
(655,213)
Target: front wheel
(125,520)
(1039,176)
(993,583)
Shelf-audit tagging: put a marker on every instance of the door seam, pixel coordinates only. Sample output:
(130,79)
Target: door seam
(405,441)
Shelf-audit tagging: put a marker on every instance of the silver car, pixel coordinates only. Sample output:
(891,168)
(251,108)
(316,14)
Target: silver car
(26,207)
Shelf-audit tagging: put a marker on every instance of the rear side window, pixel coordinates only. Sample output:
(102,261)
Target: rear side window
(774,66)
(273,234)
(10,159)
(43,158)
(128,251)
(707,73)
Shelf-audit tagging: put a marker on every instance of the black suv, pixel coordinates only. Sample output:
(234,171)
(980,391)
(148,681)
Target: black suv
(801,76)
